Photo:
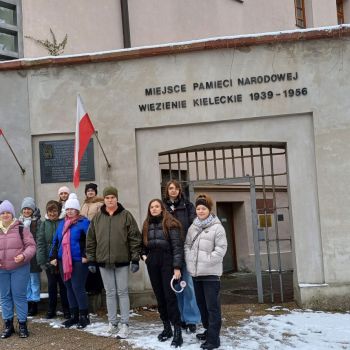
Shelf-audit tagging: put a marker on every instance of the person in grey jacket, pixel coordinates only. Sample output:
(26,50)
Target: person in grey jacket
(205,248)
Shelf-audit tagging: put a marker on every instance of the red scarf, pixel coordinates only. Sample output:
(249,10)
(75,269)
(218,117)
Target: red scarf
(66,252)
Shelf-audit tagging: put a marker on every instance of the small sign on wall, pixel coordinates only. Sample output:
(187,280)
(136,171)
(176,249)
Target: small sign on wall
(56,161)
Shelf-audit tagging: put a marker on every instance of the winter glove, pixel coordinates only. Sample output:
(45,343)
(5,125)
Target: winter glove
(134,266)
(92,268)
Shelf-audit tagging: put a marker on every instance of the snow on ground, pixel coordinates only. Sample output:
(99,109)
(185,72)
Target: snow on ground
(298,329)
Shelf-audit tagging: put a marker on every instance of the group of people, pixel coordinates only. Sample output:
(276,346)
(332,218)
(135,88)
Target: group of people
(178,241)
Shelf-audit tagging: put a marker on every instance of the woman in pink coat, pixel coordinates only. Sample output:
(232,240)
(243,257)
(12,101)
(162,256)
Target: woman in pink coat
(17,247)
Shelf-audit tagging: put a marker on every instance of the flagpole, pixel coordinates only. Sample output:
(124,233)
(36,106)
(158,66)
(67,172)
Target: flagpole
(108,163)
(13,153)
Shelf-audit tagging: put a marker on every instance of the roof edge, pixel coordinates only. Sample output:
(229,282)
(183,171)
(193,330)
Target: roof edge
(334,32)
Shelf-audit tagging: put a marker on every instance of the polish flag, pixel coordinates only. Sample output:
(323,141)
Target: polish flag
(0,132)
(83,132)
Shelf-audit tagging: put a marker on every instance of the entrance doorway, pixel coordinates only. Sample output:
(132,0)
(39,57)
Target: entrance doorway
(249,186)
(225,212)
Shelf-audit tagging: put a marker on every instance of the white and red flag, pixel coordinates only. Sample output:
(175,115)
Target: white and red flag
(83,132)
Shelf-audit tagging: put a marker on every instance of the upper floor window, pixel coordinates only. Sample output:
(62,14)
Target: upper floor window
(10,33)
(300,13)
(340,11)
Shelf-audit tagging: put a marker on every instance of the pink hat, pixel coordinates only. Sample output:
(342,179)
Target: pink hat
(63,189)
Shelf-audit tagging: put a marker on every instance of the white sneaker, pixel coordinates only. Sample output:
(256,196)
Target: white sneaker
(123,331)
(113,328)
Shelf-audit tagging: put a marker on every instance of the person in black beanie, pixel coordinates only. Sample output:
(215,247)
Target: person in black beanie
(91,206)
(92,202)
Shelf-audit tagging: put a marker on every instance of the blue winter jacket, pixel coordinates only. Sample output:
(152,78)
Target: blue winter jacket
(77,240)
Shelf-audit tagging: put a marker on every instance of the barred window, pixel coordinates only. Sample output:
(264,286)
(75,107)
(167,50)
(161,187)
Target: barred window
(300,13)
(10,30)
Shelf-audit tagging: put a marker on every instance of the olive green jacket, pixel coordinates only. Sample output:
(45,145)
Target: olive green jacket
(44,240)
(113,240)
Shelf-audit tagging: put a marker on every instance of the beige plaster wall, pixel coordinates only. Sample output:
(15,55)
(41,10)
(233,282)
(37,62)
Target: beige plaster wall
(170,21)
(315,127)
(91,25)
(320,13)
(97,25)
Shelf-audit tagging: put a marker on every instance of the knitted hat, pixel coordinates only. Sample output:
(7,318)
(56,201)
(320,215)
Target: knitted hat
(6,206)
(203,200)
(91,186)
(63,189)
(72,202)
(28,202)
(110,190)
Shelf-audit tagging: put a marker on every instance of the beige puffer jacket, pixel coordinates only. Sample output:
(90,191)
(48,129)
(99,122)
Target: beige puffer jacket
(205,255)
(91,207)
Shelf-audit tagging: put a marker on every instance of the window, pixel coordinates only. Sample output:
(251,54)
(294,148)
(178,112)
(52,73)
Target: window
(10,33)
(340,11)
(300,13)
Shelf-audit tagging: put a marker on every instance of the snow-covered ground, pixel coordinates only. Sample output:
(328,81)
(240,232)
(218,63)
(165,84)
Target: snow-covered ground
(296,329)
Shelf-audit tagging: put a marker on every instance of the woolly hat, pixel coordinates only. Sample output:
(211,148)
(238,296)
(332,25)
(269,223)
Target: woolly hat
(28,202)
(72,202)
(6,206)
(63,189)
(110,190)
(91,186)
(202,200)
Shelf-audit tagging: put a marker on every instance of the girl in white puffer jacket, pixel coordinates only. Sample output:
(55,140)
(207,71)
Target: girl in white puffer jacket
(205,248)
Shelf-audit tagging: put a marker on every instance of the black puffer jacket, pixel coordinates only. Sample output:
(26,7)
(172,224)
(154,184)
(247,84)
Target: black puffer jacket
(156,240)
(183,210)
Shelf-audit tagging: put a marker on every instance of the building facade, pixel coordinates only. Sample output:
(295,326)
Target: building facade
(261,122)
(105,25)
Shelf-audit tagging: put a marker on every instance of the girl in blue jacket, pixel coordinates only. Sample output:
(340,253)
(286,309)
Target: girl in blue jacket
(68,251)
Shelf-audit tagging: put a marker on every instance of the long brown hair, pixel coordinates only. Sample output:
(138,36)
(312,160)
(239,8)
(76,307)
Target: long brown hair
(168,222)
(176,184)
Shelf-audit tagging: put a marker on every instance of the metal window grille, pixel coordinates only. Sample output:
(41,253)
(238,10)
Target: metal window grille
(267,164)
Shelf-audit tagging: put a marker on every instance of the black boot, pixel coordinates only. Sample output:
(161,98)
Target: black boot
(32,308)
(84,319)
(208,346)
(74,319)
(202,336)
(66,314)
(51,314)
(167,332)
(22,329)
(177,340)
(8,329)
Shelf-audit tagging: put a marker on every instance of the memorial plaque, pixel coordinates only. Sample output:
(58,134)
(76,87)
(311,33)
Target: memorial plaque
(56,161)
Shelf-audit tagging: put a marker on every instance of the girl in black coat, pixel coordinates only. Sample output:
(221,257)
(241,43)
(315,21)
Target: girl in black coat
(163,253)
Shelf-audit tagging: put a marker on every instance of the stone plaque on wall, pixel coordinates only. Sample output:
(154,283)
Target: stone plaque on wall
(56,161)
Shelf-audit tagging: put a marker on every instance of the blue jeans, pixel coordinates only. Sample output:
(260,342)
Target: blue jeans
(208,300)
(77,297)
(13,289)
(187,300)
(33,288)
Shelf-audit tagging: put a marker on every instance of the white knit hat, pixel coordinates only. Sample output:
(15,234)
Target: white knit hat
(72,202)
